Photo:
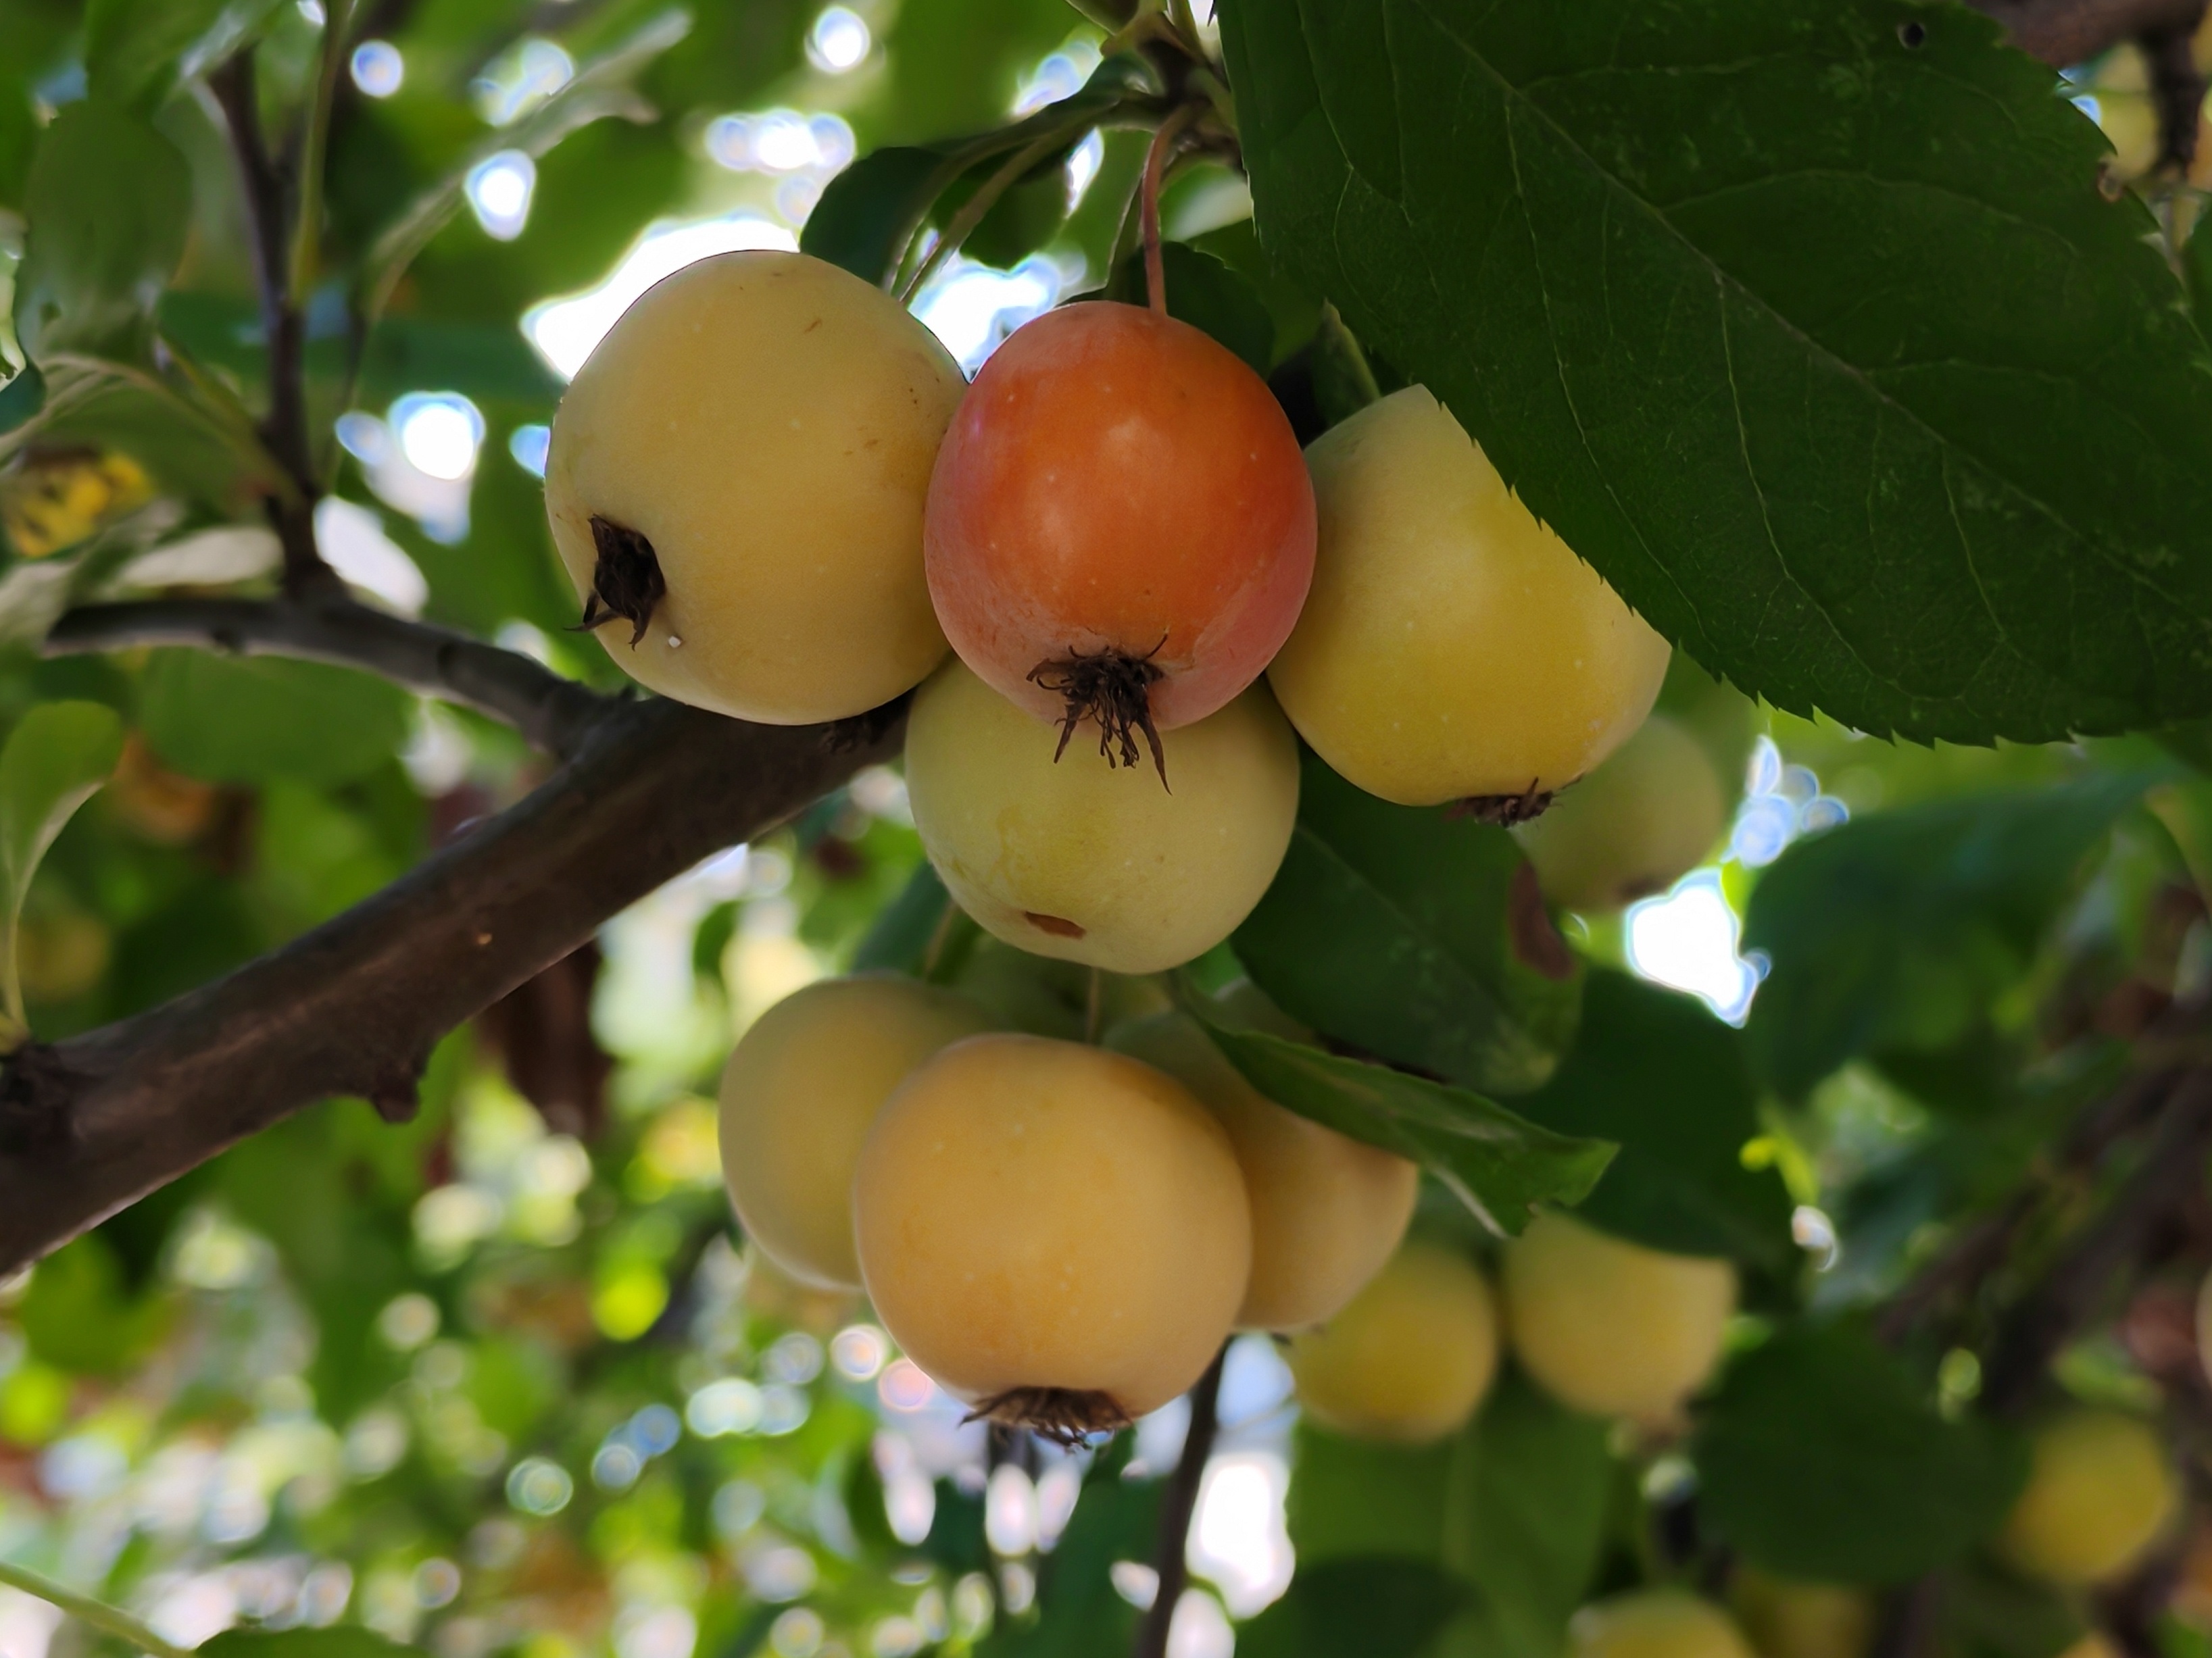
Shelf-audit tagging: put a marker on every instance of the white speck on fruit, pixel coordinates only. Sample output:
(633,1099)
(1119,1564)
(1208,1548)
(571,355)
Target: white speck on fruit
(675,643)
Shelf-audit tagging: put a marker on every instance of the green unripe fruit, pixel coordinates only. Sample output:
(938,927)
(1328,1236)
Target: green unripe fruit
(737,478)
(1654,1623)
(1087,862)
(1410,1359)
(1633,827)
(1327,1211)
(2100,1491)
(798,1096)
(1611,1327)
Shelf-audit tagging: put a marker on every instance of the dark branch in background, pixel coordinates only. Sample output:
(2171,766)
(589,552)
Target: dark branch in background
(91,1124)
(1178,1502)
(2169,1172)
(2064,33)
(555,714)
(269,195)
(1910,1616)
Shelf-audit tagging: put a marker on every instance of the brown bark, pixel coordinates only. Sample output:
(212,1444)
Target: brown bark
(88,1125)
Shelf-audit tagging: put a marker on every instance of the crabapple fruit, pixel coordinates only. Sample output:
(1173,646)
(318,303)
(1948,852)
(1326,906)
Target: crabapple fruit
(1120,526)
(798,1095)
(1327,1211)
(1654,1623)
(1609,1326)
(1453,647)
(2100,1492)
(1633,827)
(736,485)
(1058,1234)
(1086,864)
(1784,1618)
(1409,1358)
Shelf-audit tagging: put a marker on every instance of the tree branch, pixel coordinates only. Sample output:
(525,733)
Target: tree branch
(555,714)
(2171,1169)
(1178,1502)
(2064,32)
(354,1007)
(268,196)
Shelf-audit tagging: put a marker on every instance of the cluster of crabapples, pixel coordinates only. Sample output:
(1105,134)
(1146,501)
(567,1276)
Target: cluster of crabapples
(1120,595)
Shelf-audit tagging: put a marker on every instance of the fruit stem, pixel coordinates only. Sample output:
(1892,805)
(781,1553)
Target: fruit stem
(1148,202)
(1171,1547)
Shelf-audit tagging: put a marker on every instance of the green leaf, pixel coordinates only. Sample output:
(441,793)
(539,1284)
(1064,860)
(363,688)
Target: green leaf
(252,720)
(345,1640)
(1515,1507)
(1499,1164)
(904,929)
(54,760)
(19,138)
(1895,931)
(79,1316)
(1416,935)
(869,212)
(108,202)
(1204,292)
(1654,1071)
(1378,1605)
(1804,321)
(1818,1457)
(600,88)
(22,397)
(1528,1504)
(136,51)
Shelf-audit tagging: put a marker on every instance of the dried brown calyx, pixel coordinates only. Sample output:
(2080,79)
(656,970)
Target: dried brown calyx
(1505,809)
(1066,1416)
(626,581)
(1114,690)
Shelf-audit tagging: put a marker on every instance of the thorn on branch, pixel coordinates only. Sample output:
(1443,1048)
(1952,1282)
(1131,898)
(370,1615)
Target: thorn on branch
(396,1095)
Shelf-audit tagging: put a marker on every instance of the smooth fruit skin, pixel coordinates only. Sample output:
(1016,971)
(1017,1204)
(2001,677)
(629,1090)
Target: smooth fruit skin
(1035,1213)
(1116,480)
(1453,647)
(1611,1327)
(1327,1211)
(1410,1359)
(1093,865)
(798,1095)
(1784,1618)
(767,422)
(1633,827)
(2100,1492)
(1654,1623)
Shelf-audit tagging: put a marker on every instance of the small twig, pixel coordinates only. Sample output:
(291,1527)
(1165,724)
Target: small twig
(285,431)
(2170,1170)
(1178,1502)
(1148,200)
(555,714)
(307,230)
(109,1620)
(972,211)
(1909,1617)
(2177,89)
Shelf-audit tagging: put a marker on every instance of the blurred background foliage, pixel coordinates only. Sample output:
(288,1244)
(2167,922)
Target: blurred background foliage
(503,1379)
